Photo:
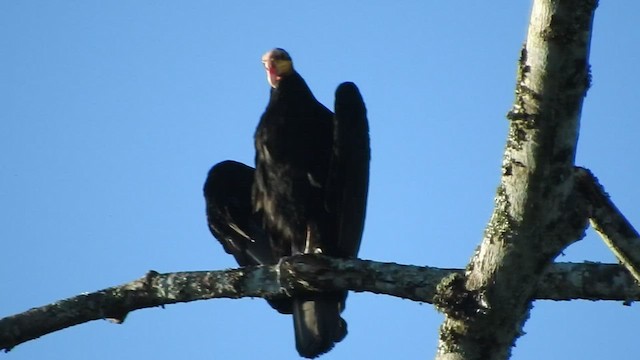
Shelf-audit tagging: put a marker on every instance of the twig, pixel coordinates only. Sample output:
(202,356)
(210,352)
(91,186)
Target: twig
(610,224)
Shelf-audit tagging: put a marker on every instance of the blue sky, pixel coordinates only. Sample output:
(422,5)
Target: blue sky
(111,114)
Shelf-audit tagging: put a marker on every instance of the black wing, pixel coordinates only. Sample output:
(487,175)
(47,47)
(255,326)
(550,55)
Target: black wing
(349,175)
(227,193)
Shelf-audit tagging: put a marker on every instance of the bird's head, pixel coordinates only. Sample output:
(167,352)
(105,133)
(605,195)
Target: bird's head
(278,64)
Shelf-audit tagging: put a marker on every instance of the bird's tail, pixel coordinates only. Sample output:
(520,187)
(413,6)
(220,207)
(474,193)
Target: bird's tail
(318,325)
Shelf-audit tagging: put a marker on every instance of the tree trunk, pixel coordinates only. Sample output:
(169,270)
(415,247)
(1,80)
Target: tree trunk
(537,212)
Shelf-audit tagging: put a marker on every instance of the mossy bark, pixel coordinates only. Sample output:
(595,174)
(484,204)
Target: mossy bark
(537,213)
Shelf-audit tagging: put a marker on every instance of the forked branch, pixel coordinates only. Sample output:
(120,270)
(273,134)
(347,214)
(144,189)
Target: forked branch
(610,224)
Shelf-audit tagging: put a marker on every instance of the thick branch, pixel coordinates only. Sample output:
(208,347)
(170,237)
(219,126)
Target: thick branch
(537,212)
(564,281)
(608,221)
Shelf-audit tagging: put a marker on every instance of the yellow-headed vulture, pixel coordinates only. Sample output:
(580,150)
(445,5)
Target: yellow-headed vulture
(311,181)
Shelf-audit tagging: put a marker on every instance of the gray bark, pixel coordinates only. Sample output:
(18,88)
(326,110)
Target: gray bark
(537,213)
(610,224)
(563,281)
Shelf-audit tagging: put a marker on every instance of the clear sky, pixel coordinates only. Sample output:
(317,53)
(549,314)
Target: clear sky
(111,114)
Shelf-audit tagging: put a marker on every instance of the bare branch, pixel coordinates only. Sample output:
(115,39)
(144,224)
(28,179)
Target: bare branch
(537,212)
(587,281)
(564,281)
(608,221)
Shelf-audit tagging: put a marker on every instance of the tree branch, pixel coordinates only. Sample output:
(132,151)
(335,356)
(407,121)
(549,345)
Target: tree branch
(537,212)
(564,281)
(608,221)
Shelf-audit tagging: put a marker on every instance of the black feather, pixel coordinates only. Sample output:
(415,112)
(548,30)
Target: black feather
(311,185)
(349,181)
(227,194)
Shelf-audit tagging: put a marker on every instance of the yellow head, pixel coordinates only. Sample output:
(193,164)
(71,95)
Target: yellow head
(277,63)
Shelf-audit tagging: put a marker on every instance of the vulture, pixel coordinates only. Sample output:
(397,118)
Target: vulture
(307,194)
(311,181)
